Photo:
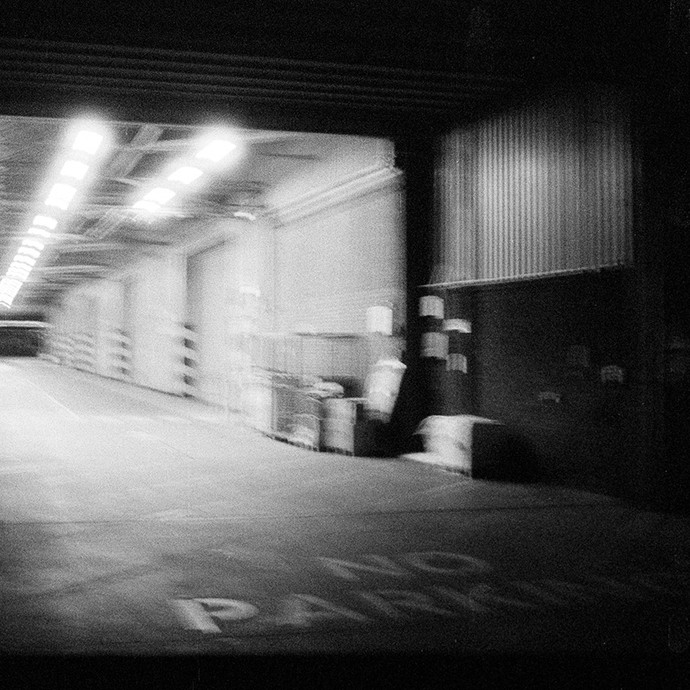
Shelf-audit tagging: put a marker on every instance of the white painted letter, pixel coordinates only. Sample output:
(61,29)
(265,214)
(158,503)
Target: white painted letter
(488,595)
(383,566)
(463,599)
(412,601)
(198,614)
(455,563)
(303,609)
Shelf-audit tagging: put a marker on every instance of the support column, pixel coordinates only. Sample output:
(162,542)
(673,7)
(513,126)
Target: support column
(415,157)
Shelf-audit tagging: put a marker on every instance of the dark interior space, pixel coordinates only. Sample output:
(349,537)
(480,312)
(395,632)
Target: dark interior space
(540,352)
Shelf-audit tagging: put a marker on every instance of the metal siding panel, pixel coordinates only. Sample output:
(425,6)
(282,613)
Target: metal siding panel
(524,192)
(494,233)
(595,192)
(539,190)
(546,193)
(455,165)
(512,244)
(505,192)
(491,195)
(504,231)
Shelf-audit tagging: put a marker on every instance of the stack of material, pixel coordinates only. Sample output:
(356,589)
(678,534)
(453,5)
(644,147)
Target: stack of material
(345,427)
(466,443)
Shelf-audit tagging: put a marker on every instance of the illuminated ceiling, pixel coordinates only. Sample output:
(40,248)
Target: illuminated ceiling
(111,219)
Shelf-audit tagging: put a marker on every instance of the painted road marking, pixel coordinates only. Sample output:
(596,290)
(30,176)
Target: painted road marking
(480,592)
(406,600)
(344,569)
(303,610)
(200,614)
(433,562)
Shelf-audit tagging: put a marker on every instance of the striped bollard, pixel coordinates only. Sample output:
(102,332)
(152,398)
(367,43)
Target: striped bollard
(189,361)
(122,354)
(85,352)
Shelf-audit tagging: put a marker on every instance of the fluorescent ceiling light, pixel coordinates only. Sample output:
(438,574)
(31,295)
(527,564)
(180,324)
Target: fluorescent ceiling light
(61,195)
(74,169)
(24,260)
(87,141)
(244,214)
(185,174)
(216,150)
(159,195)
(39,231)
(33,243)
(147,206)
(46,222)
(20,265)
(18,273)
(9,284)
(28,251)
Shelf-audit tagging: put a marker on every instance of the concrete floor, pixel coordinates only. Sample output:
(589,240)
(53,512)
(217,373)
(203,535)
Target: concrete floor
(135,523)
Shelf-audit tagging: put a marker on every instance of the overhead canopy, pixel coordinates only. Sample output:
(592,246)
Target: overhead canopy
(104,230)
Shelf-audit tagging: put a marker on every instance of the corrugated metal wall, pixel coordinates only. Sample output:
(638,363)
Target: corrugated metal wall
(542,189)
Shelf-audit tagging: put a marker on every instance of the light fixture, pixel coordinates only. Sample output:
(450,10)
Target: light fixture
(244,214)
(87,137)
(159,195)
(18,273)
(87,141)
(33,243)
(10,285)
(28,251)
(46,222)
(39,231)
(147,206)
(75,169)
(61,195)
(216,150)
(24,260)
(186,174)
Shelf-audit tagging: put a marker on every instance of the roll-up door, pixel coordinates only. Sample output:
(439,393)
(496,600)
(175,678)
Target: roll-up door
(128,321)
(207,318)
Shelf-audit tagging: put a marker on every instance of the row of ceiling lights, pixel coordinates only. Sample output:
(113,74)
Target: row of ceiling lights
(213,149)
(87,140)
(85,144)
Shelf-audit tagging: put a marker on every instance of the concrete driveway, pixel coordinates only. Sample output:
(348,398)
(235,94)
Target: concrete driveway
(134,523)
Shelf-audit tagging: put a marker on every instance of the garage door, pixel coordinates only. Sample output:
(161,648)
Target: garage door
(206,309)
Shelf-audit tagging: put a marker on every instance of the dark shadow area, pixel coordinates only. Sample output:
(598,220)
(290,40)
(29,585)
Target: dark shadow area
(20,342)
(505,456)
(28,622)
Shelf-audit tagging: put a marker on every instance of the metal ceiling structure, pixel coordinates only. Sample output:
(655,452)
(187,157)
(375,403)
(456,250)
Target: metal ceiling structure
(101,233)
(155,102)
